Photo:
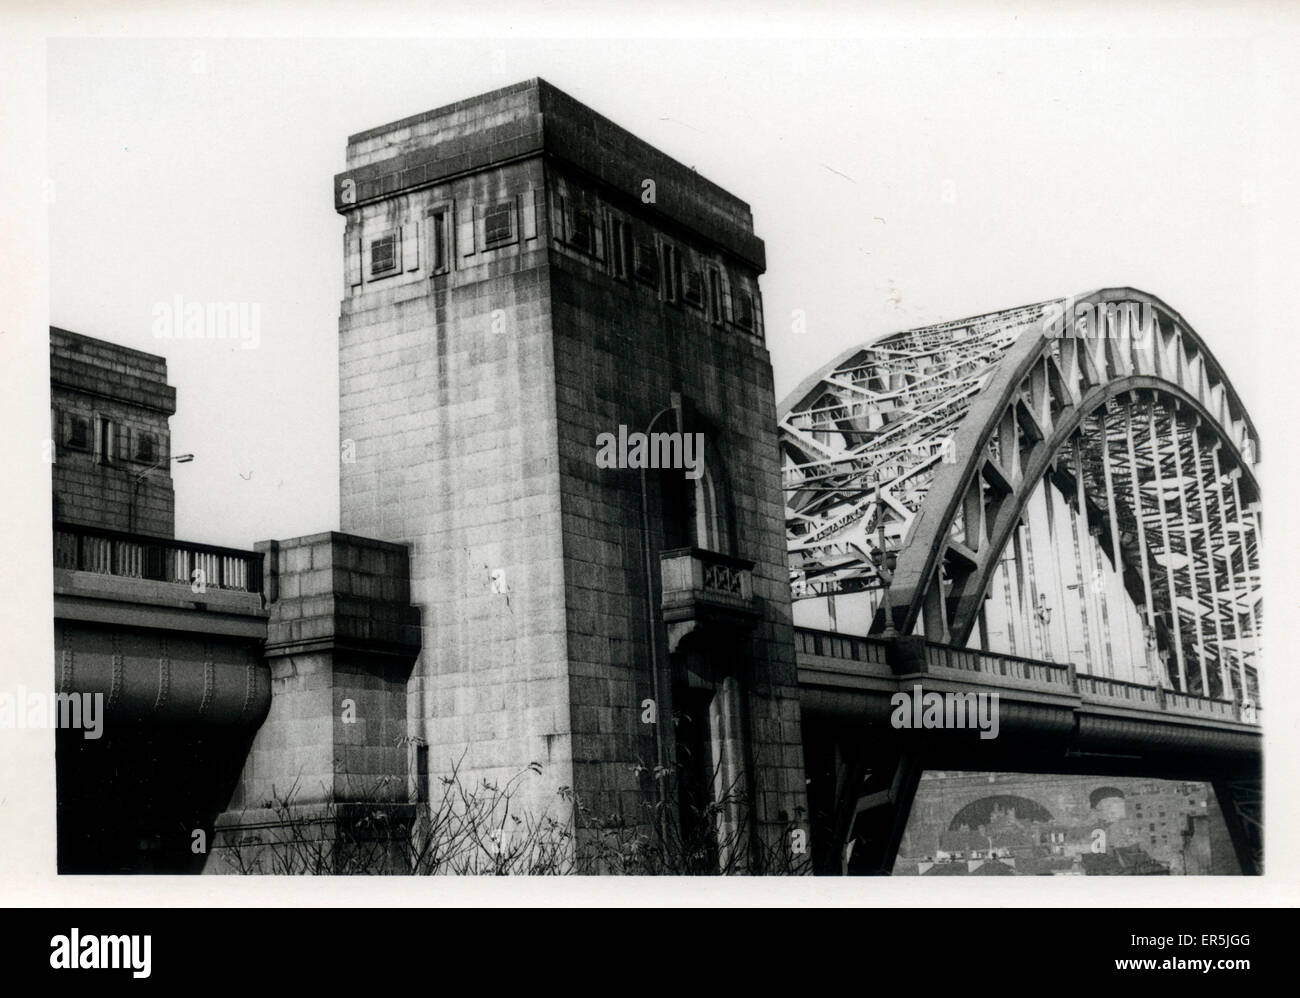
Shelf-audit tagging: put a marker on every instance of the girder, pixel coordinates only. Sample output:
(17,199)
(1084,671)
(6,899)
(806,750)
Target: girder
(1039,448)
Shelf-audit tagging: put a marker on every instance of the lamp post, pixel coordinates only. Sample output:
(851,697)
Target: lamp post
(1044,613)
(661,766)
(139,479)
(885,572)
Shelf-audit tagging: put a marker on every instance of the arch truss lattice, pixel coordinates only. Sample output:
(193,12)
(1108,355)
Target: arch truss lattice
(1070,479)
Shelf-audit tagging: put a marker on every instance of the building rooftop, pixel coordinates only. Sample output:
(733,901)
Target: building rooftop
(534,118)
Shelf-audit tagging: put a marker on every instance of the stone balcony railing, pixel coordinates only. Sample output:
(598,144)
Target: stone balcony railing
(700,586)
(158,559)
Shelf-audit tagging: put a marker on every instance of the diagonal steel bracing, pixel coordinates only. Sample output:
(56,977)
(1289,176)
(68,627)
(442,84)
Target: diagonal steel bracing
(1101,467)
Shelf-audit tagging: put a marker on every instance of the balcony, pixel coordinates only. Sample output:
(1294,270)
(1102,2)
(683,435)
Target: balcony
(137,556)
(122,578)
(702,587)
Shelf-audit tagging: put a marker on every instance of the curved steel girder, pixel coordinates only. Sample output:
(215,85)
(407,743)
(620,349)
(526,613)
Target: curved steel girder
(915,579)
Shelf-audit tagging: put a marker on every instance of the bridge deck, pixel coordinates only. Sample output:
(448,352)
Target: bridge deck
(853,678)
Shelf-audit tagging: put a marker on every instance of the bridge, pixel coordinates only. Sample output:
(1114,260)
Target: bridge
(1056,503)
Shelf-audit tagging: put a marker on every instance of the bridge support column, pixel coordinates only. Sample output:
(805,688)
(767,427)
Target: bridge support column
(861,794)
(875,818)
(325,786)
(1242,804)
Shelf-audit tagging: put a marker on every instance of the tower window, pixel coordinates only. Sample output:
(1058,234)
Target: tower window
(499,224)
(582,230)
(647,262)
(146,448)
(79,433)
(708,530)
(440,235)
(104,439)
(618,248)
(383,255)
(743,307)
(693,287)
(672,284)
(715,295)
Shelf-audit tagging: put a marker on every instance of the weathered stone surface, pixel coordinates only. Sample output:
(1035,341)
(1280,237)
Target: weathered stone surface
(471,400)
(124,488)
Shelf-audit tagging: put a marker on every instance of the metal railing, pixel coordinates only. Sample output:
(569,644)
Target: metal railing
(159,559)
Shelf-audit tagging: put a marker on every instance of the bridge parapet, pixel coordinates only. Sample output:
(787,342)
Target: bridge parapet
(169,632)
(158,559)
(1106,688)
(845,646)
(1146,697)
(1057,676)
(1188,703)
(821,652)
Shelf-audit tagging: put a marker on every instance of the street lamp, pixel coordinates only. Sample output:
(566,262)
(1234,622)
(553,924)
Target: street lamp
(139,479)
(884,569)
(1044,614)
(1044,611)
(673,407)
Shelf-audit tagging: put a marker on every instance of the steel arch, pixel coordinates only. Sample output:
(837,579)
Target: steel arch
(1004,423)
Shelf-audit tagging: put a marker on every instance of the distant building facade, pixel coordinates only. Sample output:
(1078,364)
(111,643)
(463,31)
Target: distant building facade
(1067,825)
(109,407)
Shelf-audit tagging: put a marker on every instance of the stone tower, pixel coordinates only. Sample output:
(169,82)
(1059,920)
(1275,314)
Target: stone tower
(521,277)
(109,407)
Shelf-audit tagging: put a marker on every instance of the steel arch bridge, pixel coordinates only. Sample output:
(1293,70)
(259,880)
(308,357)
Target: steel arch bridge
(1066,483)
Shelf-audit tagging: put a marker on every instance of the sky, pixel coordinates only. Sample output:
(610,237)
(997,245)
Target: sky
(897,178)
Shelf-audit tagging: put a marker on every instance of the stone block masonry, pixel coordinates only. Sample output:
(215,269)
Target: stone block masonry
(341,640)
(514,288)
(109,436)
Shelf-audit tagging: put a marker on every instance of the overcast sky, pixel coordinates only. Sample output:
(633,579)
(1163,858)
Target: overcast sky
(896,180)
